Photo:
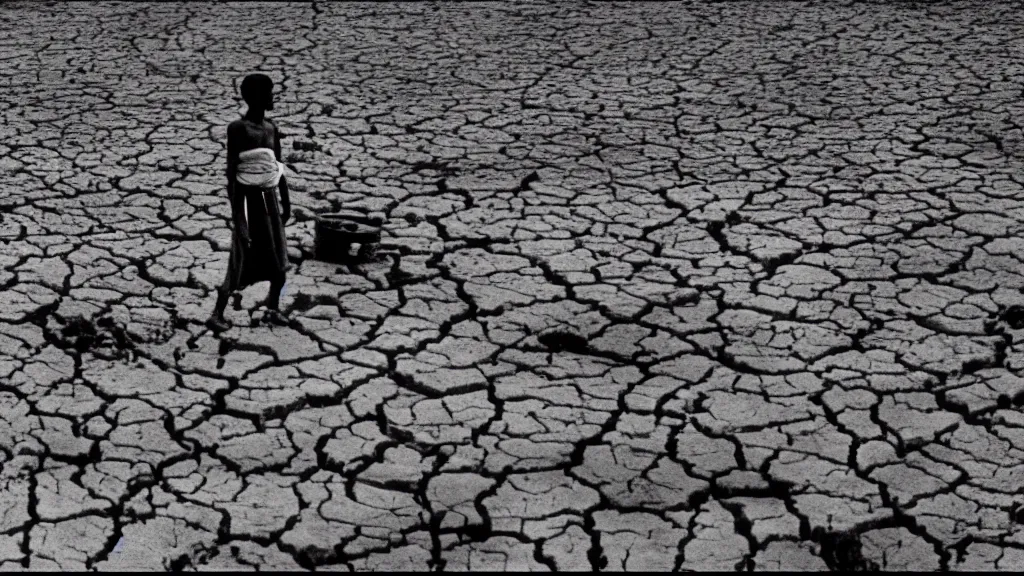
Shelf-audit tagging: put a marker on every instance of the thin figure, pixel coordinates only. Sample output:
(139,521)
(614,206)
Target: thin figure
(254,170)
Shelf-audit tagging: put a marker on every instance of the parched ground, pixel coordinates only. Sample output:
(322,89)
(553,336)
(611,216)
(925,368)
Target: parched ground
(693,286)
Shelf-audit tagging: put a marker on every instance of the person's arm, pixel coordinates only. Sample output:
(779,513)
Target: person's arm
(286,204)
(237,201)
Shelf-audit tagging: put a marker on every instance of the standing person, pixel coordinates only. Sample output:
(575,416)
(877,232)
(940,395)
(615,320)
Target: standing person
(254,170)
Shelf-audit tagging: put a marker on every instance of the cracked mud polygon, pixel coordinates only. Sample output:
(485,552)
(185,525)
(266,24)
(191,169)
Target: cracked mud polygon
(660,286)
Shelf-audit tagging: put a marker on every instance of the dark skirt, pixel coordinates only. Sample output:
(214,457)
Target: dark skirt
(266,258)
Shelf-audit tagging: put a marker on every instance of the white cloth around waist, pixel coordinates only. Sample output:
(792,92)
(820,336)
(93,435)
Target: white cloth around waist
(259,167)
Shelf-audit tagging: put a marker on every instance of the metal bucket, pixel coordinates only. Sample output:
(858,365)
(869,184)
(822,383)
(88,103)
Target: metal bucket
(338,231)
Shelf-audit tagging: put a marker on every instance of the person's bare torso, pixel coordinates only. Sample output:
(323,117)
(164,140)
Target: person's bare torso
(252,135)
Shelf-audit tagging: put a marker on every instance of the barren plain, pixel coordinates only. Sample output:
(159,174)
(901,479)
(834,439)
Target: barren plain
(662,286)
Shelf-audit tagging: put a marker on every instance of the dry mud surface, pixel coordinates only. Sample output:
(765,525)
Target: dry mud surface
(662,286)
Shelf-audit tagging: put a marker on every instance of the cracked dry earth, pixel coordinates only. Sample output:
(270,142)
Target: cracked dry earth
(724,286)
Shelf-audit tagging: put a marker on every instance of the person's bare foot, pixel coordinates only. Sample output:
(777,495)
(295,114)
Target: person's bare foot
(217,324)
(275,317)
(270,303)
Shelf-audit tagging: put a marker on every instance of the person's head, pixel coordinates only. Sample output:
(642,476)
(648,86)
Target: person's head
(258,91)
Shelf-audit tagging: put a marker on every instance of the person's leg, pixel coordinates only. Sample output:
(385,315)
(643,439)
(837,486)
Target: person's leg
(274,295)
(267,242)
(233,280)
(216,321)
(273,301)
